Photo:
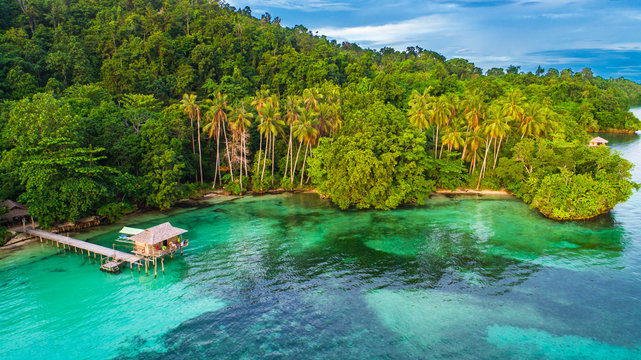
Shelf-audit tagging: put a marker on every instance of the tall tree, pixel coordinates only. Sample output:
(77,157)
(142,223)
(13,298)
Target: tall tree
(217,117)
(189,106)
(241,121)
(306,132)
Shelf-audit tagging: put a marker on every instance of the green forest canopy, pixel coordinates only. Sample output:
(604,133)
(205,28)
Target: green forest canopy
(112,104)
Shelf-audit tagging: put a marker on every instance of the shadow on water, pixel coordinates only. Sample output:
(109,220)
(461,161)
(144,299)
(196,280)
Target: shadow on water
(313,280)
(290,276)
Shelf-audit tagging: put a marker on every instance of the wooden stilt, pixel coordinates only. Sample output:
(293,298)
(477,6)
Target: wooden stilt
(155,269)
(146,267)
(41,239)
(138,267)
(162,263)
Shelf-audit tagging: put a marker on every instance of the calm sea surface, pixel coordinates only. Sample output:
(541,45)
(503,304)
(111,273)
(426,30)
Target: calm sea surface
(290,276)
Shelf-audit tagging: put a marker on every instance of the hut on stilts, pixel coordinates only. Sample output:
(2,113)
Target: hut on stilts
(154,243)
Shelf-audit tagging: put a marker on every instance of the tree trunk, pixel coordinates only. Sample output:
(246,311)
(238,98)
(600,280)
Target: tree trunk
(487,148)
(296,162)
(289,149)
(245,152)
(302,171)
(216,171)
(260,147)
(242,154)
(193,142)
(498,150)
(273,142)
(467,130)
(267,139)
(200,154)
(436,142)
(231,169)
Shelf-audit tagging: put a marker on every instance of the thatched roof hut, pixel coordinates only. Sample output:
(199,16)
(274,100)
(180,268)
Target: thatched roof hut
(598,141)
(158,234)
(15,211)
(158,241)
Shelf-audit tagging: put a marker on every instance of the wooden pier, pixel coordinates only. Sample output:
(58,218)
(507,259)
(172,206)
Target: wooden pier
(90,248)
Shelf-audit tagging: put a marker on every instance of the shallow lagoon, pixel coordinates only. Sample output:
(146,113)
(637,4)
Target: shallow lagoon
(291,276)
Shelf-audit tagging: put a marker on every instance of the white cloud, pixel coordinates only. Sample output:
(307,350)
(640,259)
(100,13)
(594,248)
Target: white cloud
(309,5)
(394,34)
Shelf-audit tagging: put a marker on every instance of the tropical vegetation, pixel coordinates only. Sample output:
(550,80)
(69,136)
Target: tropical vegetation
(111,105)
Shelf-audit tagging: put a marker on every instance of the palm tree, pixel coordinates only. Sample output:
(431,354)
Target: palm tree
(189,106)
(311,99)
(306,133)
(498,128)
(439,115)
(269,127)
(336,118)
(534,120)
(473,143)
(259,102)
(513,108)
(292,114)
(418,112)
(217,117)
(453,136)
(474,114)
(494,128)
(242,121)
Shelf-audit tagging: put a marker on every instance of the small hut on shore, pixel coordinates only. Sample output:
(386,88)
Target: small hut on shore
(16,212)
(158,241)
(598,141)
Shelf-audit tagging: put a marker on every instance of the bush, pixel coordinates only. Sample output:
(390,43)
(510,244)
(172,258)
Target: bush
(114,211)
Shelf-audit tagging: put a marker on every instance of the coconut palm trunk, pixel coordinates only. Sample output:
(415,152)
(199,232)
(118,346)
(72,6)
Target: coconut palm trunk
(245,152)
(289,150)
(295,164)
(273,142)
(193,142)
(498,150)
(200,154)
(231,170)
(487,148)
(302,171)
(267,139)
(216,170)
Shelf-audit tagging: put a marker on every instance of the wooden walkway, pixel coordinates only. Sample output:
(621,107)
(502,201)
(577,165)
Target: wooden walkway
(83,245)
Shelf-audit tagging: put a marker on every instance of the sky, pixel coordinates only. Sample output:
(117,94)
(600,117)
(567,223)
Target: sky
(604,35)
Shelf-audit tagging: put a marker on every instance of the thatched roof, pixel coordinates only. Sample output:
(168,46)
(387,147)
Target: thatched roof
(157,234)
(10,204)
(599,140)
(15,213)
(16,210)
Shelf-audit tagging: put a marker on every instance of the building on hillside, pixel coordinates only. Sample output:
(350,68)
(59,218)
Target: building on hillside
(15,212)
(598,141)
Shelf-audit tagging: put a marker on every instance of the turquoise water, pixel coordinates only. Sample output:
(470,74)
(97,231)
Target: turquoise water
(290,276)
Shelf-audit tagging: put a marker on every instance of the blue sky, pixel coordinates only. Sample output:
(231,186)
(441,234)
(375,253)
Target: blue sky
(604,35)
